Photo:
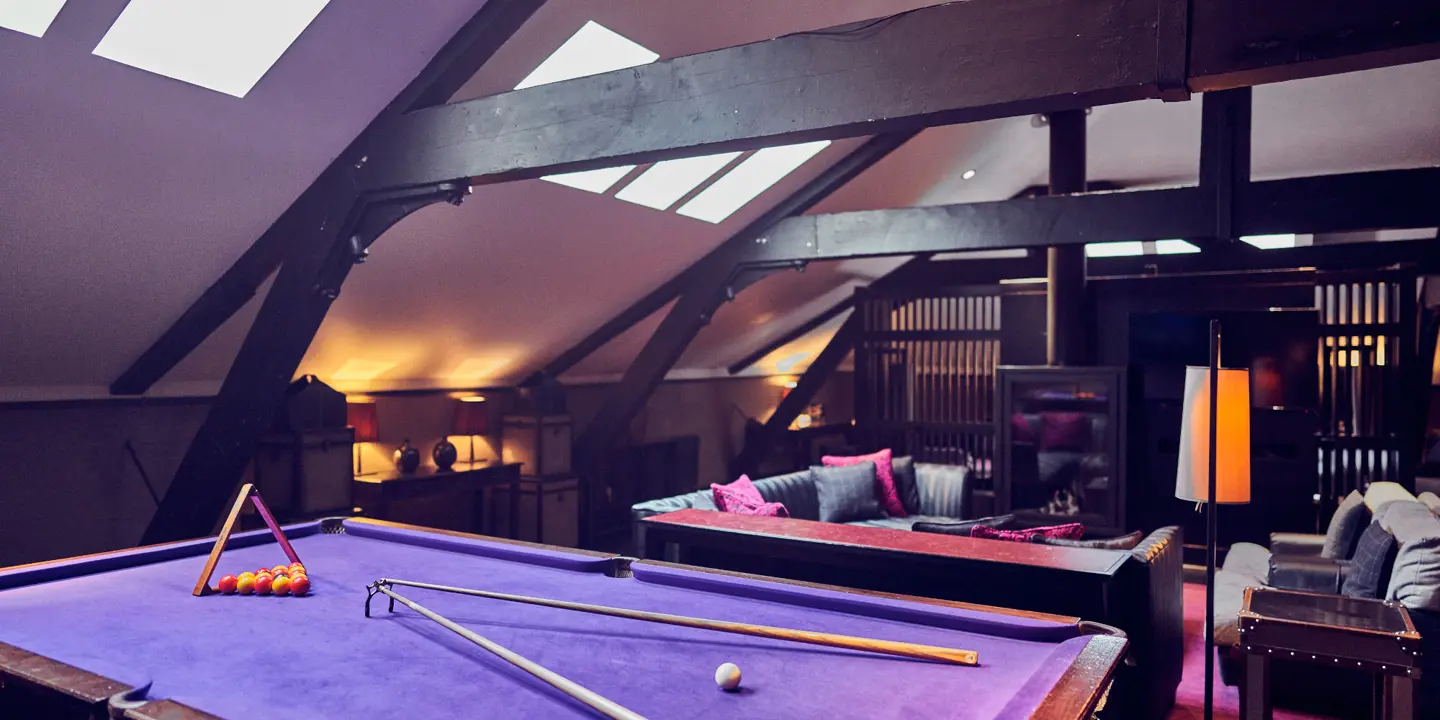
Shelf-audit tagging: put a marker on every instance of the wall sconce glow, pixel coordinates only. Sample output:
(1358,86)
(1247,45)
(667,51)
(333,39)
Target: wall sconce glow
(751,177)
(968,174)
(1124,248)
(791,385)
(32,17)
(592,50)
(357,369)
(666,182)
(473,399)
(1175,247)
(216,44)
(1270,242)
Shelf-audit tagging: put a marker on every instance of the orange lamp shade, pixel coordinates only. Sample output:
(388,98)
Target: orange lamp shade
(1232,438)
(472,417)
(366,421)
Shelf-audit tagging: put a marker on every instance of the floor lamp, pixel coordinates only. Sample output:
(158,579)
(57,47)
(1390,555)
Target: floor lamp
(1214,465)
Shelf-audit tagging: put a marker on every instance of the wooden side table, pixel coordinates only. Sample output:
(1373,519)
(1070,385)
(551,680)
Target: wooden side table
(1370,635)
(375,493)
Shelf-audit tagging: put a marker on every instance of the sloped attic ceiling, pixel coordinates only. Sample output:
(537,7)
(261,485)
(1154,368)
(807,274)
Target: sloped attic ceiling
(486,293)
(124,194)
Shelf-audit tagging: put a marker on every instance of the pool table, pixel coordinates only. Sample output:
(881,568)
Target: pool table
(121,633)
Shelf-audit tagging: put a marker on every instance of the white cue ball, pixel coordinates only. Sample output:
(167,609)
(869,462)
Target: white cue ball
(727,676)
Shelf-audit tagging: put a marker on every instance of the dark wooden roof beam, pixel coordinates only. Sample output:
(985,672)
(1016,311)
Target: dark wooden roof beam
(938,65)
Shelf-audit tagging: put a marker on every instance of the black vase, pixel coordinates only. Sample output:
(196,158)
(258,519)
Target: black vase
(444,454)
(407,458)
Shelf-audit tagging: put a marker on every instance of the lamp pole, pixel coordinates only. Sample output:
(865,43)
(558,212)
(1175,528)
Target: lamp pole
(1211,525)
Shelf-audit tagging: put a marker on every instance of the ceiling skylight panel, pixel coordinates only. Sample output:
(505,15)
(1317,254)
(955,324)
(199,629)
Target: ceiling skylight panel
(666,182)
(32,17)
(592,50)
(221,45)
(596,181)
(1175,247)
(1125,248)
(750,178)
(1271,242)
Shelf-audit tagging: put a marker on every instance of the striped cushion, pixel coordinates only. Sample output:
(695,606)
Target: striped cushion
(941,489)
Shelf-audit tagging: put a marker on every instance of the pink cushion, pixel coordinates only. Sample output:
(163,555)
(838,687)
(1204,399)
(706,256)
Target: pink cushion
(1020,429)
(771,509)
(1069,531)
(885,490)
(737,495)
(1064,431)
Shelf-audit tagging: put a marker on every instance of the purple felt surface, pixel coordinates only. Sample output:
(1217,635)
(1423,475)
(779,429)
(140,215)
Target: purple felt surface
(319,656)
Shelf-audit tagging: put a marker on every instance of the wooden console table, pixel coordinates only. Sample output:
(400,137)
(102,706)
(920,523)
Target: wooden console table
(1042,578)
(377,494)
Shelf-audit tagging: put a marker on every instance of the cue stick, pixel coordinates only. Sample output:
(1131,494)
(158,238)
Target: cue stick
(888,647)
(605,706)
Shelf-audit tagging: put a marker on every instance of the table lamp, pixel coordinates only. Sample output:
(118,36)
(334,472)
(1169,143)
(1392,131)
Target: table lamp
(1214,464)
(363,417)
(472,417)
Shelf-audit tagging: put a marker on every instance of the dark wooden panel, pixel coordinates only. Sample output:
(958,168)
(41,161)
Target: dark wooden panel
(1244,42)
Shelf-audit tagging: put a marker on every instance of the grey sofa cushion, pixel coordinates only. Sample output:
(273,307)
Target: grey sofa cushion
(1346,525)
(902,469)
(796,491)
(1229,596)
(1248,561)
(846,492)
(1415,581)
(1367,573)
(905,523)
(941,489)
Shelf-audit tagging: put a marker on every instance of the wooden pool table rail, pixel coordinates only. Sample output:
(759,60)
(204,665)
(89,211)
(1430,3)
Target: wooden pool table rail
(88,695)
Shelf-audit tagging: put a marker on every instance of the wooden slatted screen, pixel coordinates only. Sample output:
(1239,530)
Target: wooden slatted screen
(1366,344)
(925,375)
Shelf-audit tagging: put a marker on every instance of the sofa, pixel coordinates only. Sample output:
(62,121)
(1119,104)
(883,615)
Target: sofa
(1146,601)
(1321,564)
(942,491)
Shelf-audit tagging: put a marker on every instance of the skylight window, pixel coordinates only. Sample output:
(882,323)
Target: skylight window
(666,182)
(595,181)
(1175,247)
(1271,242)
(750,178)
(221,45)
(32,17)
(1125,248)
(592,50)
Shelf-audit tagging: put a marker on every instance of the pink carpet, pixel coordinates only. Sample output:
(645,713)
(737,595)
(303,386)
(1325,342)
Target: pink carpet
(1190,696)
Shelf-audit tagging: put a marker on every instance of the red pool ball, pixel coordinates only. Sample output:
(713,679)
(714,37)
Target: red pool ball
(228,583)
(278,569)
(300,585)
(263,585)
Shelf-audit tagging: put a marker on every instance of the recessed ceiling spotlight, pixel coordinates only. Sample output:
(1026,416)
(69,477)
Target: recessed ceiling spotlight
(967,174)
